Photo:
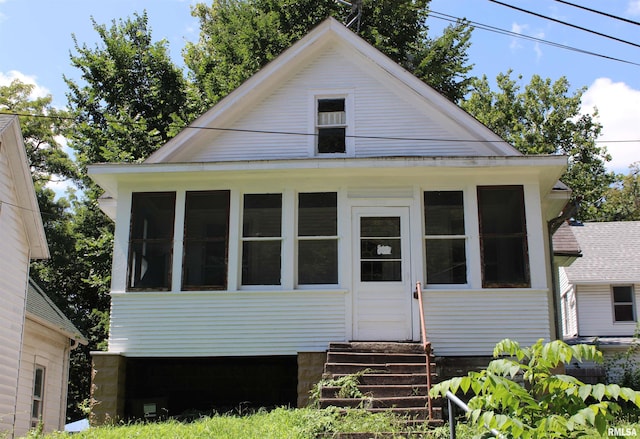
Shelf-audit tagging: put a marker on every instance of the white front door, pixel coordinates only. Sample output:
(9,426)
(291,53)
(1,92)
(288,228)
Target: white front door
(382,290)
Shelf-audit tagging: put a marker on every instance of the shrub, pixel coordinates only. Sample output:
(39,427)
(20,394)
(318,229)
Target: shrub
(546,404)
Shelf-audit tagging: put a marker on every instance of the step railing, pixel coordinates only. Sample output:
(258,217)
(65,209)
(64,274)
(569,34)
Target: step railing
(453,401)
(423,337)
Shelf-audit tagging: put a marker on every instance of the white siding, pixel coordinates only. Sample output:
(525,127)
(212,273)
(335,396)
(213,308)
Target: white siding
(568,305)
(472,322)
(595,312)
(13,284)
(381,110)
(226,323)
(49,349)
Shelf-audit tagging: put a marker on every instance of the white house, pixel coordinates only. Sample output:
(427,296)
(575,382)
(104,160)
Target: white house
(301,210)
(600,290)
(35,337)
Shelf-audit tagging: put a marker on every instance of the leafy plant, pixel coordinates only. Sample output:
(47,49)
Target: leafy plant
(521,395)
(348,386)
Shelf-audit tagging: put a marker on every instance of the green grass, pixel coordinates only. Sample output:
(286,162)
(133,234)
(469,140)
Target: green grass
(281,423)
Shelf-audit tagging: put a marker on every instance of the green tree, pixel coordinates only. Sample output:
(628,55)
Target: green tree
(133,98)
(548,405)
(40,131)
(545,118)
(238,37)
(622,199)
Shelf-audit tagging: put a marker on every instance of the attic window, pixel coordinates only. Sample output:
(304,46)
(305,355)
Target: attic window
(331,125)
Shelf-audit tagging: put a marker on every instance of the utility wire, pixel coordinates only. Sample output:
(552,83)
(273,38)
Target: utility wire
(486,27)
(615,17)
(620,40)
(294,133)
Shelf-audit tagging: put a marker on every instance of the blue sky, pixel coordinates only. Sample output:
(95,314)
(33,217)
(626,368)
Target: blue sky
(35,43)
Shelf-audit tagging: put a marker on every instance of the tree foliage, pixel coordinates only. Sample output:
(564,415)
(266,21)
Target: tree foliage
(40,130)
(622,199)
(544,118)
(547,404)
(133,100)
(238,37)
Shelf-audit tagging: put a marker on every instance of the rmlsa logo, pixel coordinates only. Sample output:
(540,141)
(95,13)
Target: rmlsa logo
(622,431)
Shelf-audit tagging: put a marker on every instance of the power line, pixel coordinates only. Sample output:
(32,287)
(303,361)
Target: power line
(620,40)
(615,17)
(295,133)
(498,30)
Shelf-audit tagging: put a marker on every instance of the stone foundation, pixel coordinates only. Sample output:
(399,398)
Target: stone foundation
(310,368)
(107,387)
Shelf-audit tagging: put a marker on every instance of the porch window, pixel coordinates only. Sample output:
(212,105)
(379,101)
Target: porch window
(206,231)
(317,238)
(331,126)
(503,237)
(151,240)
(445,238)
(261,239)
(623,304)
(38,395)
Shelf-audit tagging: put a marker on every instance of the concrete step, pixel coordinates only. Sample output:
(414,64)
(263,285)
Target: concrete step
(384,347)
(407,402)
(375,357)
(392,379)
(395,368)
(381,391)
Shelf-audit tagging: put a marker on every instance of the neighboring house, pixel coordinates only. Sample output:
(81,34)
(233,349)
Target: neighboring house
(600,290)
(301,210)
(22,239)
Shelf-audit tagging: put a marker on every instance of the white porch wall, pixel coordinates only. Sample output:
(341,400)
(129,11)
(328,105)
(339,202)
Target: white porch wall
(283,320)
(595,312)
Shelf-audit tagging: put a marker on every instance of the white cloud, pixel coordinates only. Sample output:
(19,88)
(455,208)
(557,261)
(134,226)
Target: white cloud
(618,106)
(518,29)
(634,7)
(38,91)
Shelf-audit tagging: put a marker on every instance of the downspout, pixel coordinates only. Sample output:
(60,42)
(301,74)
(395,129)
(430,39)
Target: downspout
(567,213)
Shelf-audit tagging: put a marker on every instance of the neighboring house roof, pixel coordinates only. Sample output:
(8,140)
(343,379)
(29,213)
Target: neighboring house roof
(610,253)
(40,306)
(12,144)
(565,242)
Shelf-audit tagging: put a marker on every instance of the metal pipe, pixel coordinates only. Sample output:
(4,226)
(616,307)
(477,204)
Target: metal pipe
(423,335)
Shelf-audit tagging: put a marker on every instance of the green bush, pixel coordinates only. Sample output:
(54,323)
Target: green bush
(521,395)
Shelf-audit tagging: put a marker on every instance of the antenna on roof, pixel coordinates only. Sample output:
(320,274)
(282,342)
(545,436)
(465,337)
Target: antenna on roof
(355,14)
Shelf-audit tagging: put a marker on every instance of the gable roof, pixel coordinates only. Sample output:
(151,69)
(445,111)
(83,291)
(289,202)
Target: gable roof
(329,34)
(40,306)
(12,144)
(610,253)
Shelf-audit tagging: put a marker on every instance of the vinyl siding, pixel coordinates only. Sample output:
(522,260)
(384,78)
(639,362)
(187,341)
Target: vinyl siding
(595,311)
(13,284)
(568,305)
(472,322)
(47,348)
(380,110)
(226,323)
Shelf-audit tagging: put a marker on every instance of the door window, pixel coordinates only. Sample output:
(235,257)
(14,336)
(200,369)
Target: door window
(380,249)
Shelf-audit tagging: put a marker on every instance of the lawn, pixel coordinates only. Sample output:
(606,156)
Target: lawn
(279,424)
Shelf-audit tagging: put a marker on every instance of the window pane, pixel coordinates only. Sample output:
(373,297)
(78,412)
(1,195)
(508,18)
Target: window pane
(381,227)
(317,214)
(38,382)
(446,261)
(623,294)
(261,263)
(205,264)
(623,313)
(380,249)
(262,215)
(444,213)
(504,262)
(318,262)
(331,140)
(502,209)
(330,105)
(36,410)
(380,271)
(152,215)
(206,227)
(503,237)
(150,264)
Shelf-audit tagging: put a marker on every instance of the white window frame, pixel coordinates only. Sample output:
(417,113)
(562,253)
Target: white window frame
(349,144)
(632,303)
